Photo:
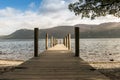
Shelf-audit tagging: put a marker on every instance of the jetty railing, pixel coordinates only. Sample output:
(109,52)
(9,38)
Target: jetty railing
(54,41)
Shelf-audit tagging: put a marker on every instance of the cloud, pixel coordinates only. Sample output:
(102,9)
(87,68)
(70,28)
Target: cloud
(57,11)
(9,12)
(32,5)
(52,6)
(50,13)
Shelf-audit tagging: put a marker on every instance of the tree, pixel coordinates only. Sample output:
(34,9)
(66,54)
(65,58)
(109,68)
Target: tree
(95,8)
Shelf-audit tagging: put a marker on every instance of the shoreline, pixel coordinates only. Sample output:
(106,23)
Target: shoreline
(105,65)
(109,69)
(5,63)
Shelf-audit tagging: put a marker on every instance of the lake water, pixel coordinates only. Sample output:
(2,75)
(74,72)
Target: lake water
(90,49)
(18,49)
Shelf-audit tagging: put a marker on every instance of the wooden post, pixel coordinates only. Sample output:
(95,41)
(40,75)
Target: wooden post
(77,41)
(36,31)
(65,41)
(60,41)
(69,41)
(55,41)
(46,41)
(51,42)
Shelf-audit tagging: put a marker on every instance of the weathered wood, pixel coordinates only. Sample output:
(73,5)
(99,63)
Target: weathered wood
(56,42)
(46,41)
(77,41)
(56,63)
(69,41)
(36,31)
(65,41)
(51,42)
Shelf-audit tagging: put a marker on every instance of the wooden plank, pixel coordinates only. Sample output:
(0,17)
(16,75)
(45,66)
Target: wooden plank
(57,63)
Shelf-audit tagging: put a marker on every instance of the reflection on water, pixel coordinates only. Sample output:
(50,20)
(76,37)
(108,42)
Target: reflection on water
(90,49)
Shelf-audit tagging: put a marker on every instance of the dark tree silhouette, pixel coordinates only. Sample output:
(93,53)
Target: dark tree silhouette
(96,8)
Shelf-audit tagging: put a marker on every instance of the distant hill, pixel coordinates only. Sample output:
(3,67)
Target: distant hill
(58,32)
(21,34)
(105,30)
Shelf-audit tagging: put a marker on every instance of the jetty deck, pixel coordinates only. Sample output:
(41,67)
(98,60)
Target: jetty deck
(56,63)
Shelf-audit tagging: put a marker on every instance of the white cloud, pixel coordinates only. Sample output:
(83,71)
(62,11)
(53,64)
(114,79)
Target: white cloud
(51,13)
(32,5)
(9,12)
(52,5)
(57,11)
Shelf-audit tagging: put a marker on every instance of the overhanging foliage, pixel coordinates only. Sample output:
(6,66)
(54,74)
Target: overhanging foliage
(96,8)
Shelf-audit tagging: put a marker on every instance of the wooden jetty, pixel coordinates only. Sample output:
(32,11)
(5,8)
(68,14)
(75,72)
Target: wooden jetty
(56,63)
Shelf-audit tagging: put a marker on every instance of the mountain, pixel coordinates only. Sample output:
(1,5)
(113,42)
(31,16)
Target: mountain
(21,34)
(105,30)
(58,32)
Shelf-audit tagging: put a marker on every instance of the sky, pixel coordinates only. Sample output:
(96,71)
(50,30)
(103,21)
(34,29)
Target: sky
(28,14)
